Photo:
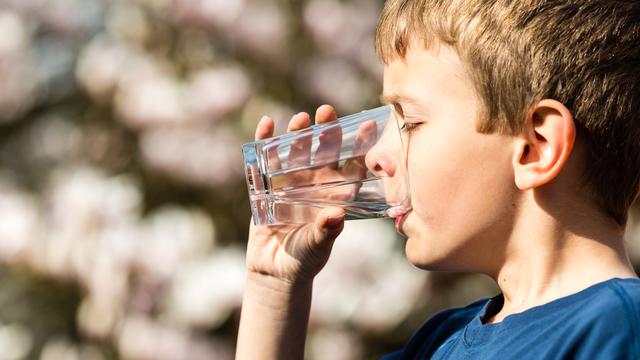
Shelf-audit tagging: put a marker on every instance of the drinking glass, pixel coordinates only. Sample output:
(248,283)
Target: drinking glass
(355,162)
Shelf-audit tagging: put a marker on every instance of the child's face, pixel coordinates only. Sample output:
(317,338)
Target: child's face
(462,182)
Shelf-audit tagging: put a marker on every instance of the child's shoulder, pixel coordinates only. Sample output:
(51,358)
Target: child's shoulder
(603,302)
(617,294)
(608,319)
(629,286)
(604,314)
(620,300)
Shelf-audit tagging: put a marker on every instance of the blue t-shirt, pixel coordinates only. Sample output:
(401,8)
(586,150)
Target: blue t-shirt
(600,322)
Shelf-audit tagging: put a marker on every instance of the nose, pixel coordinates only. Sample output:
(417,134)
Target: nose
(380,160)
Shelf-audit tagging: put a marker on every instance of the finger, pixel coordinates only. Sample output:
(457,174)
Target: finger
(365,138)
(266,127)
(330,142)
(300,153)
(328,225)
(330,139)
(273,158)
(325,113)
(299,121)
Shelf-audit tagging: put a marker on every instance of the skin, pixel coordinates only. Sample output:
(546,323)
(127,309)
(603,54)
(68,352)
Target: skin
(508,206)
(281,264)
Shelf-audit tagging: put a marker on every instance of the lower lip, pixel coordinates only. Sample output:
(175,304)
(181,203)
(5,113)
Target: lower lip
(399,221)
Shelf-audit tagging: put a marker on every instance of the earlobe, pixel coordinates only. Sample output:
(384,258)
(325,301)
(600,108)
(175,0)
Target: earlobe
(544,145)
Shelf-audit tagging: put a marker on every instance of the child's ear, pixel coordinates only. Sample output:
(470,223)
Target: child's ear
(543,147)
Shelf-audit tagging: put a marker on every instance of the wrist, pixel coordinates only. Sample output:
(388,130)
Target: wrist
(274,319)
(277,293)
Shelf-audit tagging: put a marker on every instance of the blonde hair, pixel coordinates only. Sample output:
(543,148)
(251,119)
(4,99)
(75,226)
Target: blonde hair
(585,54)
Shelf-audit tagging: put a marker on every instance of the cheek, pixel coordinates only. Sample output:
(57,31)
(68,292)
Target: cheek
(435,196)
(455,177)
(434,176)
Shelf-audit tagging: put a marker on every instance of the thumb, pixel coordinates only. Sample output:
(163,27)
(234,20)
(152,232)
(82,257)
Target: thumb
(328,225)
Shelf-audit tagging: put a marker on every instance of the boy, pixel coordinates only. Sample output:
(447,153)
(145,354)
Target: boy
(523,157)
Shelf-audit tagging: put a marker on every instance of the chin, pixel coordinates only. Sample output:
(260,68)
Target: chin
(419,256)
(427,258)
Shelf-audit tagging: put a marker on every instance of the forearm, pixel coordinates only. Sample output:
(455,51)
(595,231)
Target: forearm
(274,319)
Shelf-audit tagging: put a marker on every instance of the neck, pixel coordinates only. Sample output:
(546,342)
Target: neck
(548,257)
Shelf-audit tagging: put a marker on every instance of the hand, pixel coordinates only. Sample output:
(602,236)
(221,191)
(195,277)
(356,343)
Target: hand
(296,253)
(282,260)
(318,170)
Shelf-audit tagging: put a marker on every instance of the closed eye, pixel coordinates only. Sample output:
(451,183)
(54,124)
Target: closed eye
(409,127)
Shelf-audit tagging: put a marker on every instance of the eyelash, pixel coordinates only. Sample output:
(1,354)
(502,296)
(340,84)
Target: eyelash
(406,127)
(409,127)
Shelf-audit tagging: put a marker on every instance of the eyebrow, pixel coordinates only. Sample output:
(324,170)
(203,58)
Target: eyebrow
(396,98)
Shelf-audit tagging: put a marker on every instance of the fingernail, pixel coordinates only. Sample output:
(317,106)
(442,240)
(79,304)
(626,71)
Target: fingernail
(334,221)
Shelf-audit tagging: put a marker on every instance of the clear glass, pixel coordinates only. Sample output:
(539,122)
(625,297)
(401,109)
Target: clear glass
(356,162)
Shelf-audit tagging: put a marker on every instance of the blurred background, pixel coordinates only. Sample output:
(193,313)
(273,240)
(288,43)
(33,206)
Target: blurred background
(123,207)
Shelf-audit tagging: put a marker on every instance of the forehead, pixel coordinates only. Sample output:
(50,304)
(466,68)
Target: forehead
(426,73)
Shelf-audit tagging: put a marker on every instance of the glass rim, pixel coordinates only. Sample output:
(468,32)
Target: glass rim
(345,120)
